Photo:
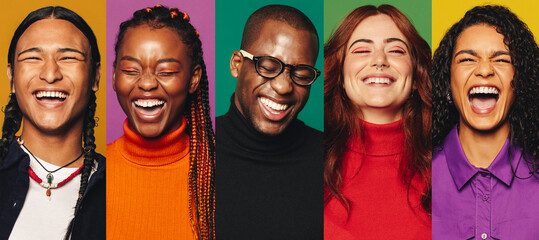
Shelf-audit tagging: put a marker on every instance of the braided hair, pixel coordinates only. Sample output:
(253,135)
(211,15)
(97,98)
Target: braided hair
(523,115)
(13,114)
(197,114)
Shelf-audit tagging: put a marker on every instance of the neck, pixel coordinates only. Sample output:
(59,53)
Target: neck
(54,148)
(380,115)
(481,148)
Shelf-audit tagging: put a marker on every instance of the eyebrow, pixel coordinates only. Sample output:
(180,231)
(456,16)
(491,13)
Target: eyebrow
(129,58)
(29,50)
(166,60)
(475,54)
(61,50)
(389,40)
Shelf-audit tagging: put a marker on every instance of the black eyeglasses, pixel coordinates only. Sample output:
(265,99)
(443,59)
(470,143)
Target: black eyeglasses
(271,67)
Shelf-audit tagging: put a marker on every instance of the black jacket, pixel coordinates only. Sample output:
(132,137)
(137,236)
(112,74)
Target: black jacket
(90,220)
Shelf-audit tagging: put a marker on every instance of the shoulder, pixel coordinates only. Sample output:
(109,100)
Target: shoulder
(311,133)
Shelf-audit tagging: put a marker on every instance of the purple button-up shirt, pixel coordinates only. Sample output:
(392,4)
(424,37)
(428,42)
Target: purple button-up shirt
(477,203)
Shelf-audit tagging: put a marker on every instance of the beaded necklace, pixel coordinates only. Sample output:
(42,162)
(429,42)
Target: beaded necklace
(49,185)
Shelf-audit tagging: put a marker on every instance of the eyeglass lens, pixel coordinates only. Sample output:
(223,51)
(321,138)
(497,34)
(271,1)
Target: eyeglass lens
(270,68)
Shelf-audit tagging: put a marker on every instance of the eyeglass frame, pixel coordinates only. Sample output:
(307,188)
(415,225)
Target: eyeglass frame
(255,59)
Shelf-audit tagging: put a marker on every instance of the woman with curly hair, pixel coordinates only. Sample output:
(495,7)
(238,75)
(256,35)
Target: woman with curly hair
(160,183)
(485,129)
(377,128)
(52,170)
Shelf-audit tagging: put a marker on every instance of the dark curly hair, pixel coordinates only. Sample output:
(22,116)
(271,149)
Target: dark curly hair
(199,123)
(340,117)
(13,114)
(523,115)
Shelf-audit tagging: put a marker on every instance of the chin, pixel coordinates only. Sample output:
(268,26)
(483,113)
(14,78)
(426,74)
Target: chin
(271,129)
(148,131)
(485,125)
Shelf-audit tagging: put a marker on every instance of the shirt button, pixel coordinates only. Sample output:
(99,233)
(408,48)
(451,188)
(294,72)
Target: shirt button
(485,198)
(14,204)
(484,236)
(484,174)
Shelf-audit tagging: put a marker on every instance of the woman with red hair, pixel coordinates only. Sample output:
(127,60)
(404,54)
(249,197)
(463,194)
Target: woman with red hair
(377,106)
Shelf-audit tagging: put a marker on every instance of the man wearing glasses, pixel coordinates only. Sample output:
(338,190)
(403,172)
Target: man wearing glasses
(269,172)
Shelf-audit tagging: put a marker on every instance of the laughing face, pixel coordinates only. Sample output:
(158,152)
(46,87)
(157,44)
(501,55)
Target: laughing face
(377,69)
(481,75)
(152,79)
(271,104)
(51,76)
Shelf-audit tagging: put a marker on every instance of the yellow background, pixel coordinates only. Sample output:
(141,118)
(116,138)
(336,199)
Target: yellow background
(93,12)
(446,13)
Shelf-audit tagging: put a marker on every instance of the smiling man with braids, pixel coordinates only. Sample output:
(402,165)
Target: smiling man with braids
(160,178)
(269,170)
(47,174)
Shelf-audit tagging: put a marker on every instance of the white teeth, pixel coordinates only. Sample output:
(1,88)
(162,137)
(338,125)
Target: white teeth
(148,103)
(273,105)
(51,94)
(484,90)
(377,80)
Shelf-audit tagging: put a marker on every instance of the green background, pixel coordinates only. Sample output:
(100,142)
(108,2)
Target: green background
(418,11)
(230,18)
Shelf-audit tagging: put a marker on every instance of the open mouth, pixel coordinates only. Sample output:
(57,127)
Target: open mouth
(483,99)
(149,106)
(50,96)
(273,110)
(378,80)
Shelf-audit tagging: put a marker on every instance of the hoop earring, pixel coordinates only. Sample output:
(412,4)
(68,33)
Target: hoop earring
(448,97)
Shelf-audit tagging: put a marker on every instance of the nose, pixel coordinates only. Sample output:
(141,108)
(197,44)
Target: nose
(484,69)
(282,84)
(379,59)
(147,81)
(50,71)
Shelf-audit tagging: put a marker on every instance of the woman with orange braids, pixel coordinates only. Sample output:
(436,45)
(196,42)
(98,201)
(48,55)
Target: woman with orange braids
(377,128)
(160,178)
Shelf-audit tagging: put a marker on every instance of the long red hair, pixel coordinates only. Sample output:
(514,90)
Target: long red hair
(341,116)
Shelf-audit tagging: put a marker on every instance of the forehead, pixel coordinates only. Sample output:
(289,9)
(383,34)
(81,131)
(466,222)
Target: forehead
(377,28)
(53,33)
(278,39)
(157,41)
(480,37)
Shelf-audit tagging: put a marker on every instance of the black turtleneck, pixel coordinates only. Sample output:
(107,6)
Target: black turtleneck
(267,187)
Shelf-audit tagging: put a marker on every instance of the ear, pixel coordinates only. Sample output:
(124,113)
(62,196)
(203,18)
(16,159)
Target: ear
(114,78)
(236,62)
(10,77)
(95,85)
(195,79)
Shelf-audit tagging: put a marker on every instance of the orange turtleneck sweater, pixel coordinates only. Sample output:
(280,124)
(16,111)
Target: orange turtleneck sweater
(379,207)
(147,186)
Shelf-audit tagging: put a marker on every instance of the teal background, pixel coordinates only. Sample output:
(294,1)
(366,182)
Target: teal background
(230,18)
(418,11)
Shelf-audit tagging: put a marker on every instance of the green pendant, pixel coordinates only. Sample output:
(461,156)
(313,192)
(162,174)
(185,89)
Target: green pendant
(49,178)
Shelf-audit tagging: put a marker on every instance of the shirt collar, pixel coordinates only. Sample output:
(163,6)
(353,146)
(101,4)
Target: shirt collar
(462,171)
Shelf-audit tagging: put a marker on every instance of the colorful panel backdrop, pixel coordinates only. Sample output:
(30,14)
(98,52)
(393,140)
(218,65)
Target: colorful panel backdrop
(202,17)
(231,16)
(418,11)
(447,13)
(93,12)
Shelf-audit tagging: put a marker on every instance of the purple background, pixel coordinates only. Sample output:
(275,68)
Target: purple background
(202,14)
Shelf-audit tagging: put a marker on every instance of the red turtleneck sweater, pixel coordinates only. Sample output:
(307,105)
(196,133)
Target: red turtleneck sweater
(373,186)
(147,186)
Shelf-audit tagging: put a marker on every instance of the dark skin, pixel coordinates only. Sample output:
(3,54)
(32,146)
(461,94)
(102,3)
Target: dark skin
(271,104)
(154,69)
